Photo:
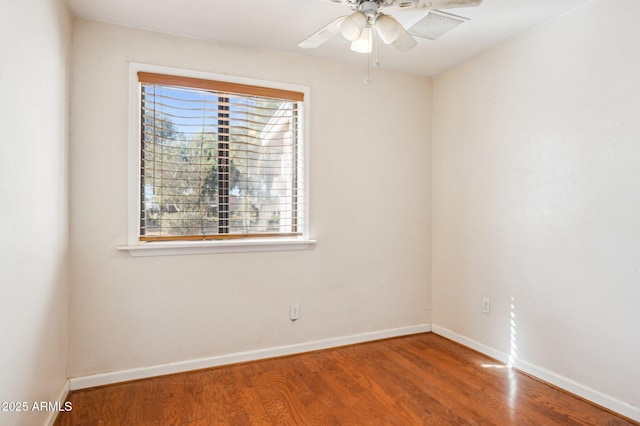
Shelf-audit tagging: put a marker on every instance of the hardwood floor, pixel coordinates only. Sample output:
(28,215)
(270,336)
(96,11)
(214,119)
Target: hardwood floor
(419,379)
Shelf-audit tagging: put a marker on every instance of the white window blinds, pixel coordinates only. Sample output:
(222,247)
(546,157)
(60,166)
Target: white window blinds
(219,160)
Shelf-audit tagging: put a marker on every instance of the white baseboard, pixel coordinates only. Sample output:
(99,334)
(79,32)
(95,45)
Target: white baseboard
(606,401)
(215,361)
(62,397)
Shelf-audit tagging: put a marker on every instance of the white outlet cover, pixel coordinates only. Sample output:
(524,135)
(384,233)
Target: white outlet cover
(486,305)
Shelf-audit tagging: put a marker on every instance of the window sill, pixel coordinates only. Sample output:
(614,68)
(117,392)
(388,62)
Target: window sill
(177,248)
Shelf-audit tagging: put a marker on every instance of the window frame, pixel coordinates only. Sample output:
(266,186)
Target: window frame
(135,246)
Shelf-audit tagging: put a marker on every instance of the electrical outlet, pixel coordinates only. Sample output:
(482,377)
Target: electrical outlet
(486,305)
(294,312)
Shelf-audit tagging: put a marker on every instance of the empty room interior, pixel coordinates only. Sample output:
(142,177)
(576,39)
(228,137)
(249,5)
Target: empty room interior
(482,186)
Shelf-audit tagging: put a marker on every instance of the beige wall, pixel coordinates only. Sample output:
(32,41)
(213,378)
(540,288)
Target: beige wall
(35,45)
(536,198)
(370,149)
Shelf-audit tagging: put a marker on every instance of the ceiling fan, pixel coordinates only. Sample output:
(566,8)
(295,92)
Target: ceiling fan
(358,26)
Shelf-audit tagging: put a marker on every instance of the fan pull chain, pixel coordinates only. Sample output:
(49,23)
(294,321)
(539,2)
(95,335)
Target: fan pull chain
(367,80)
(376,62)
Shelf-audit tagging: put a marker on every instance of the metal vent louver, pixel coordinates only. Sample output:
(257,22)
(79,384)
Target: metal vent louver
(434,25)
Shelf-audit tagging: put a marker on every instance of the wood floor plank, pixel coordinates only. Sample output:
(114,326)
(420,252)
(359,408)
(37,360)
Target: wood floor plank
(412,380)
(469,384)
(457,398)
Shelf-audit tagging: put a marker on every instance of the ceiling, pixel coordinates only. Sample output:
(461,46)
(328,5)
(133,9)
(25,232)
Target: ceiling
(282,24)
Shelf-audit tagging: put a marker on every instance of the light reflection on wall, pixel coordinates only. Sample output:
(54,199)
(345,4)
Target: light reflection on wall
(513,346)
(513,356)
(512,396)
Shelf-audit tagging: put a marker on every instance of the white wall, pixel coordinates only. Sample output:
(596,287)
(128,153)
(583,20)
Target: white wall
(536,198)
(35,46)
(370,149)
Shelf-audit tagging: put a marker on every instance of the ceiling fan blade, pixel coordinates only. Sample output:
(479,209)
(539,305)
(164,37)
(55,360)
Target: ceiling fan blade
(436,4)
(322,35)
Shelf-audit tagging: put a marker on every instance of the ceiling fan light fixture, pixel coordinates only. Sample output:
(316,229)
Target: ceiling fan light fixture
(364,44)
(388,28)
(367,14)
(404,42)
(353,26)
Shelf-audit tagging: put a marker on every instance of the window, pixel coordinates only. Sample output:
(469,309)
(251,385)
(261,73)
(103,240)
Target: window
(218,161)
